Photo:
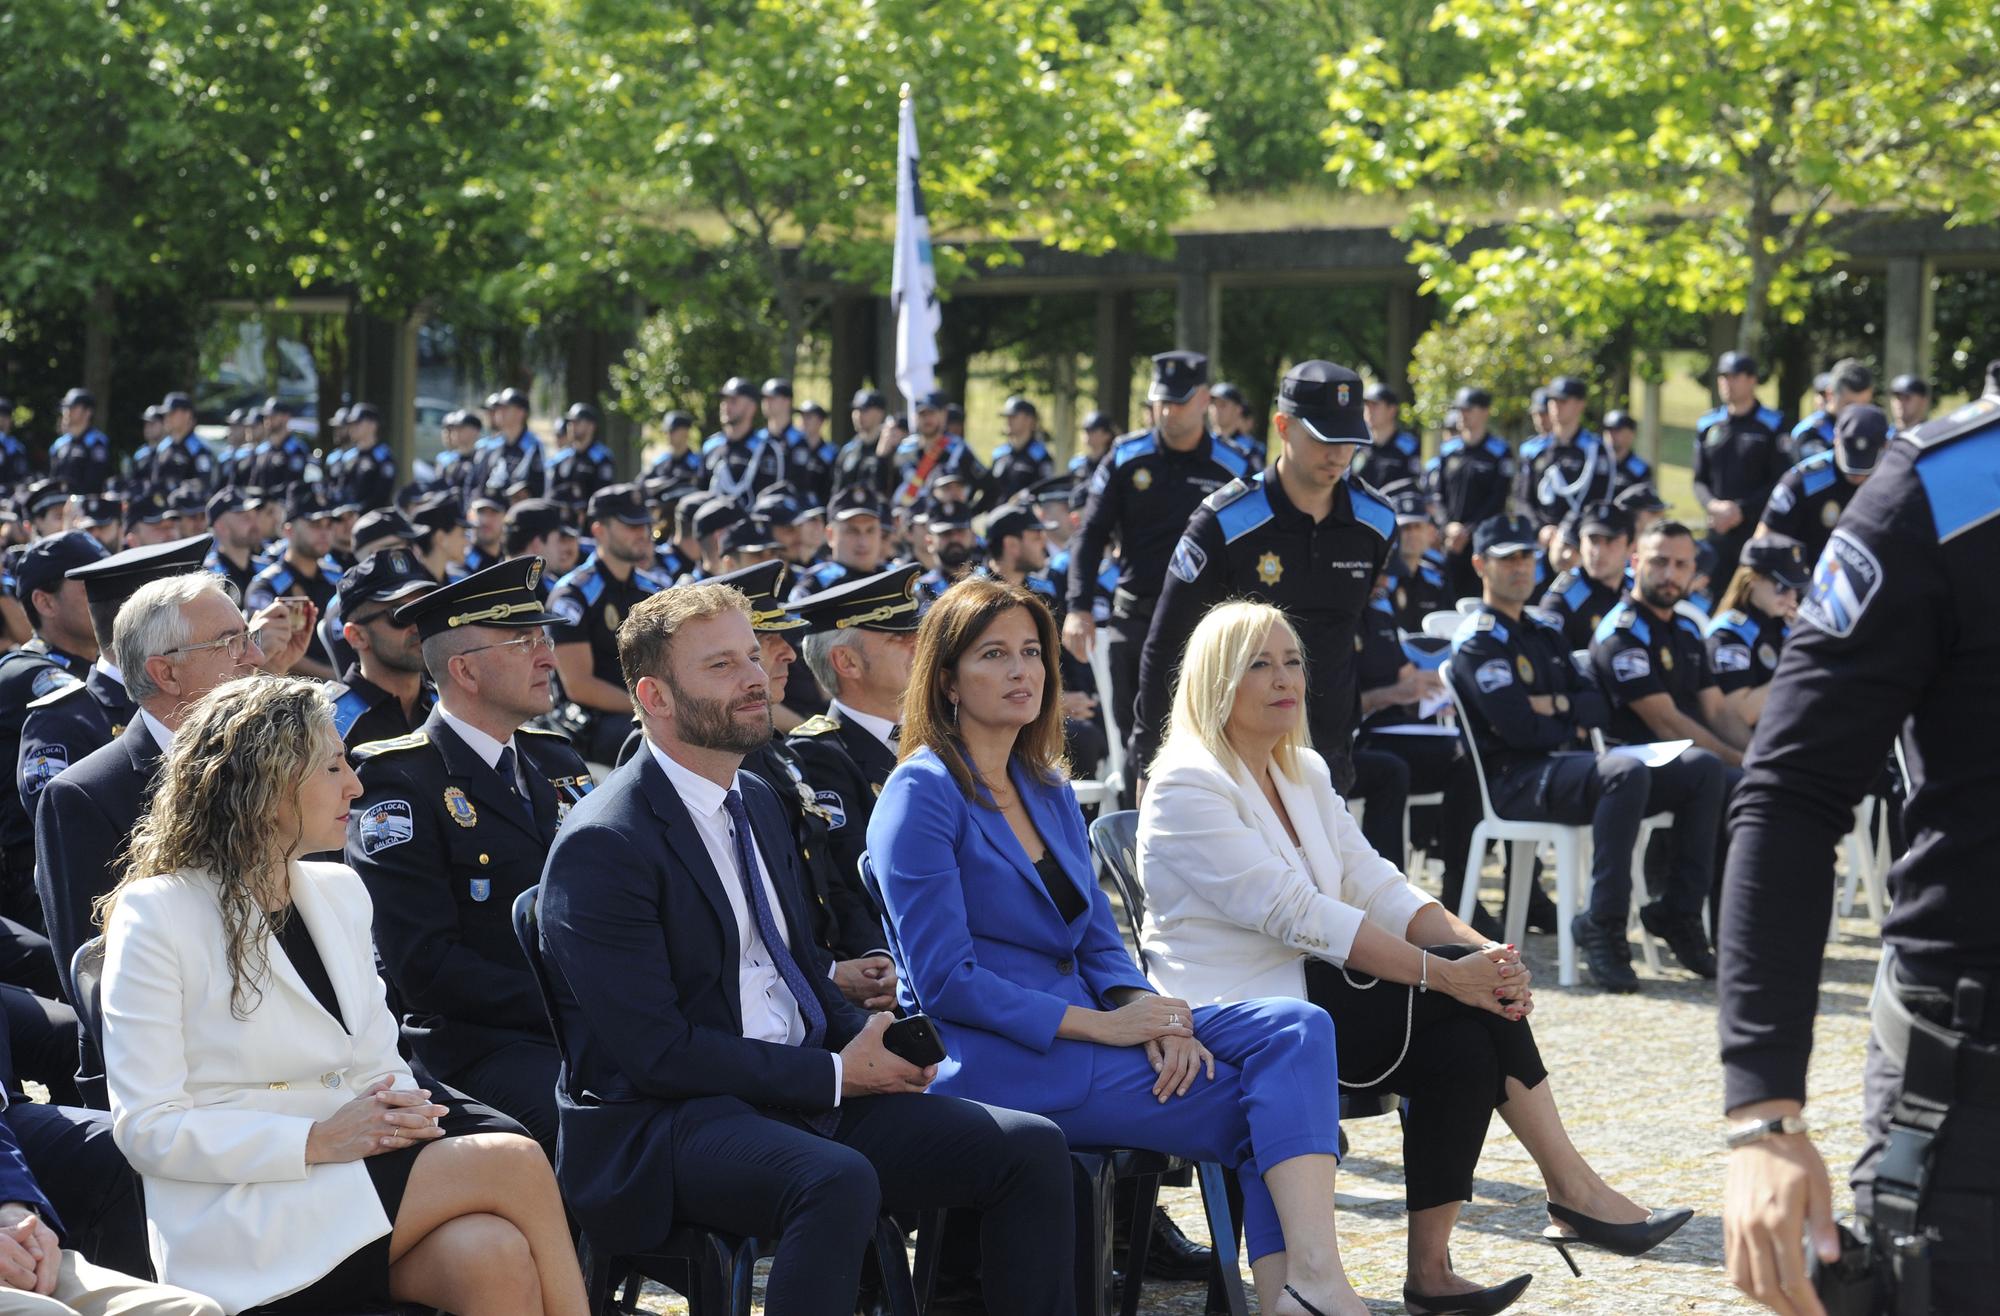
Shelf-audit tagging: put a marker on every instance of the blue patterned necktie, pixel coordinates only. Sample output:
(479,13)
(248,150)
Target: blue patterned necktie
(810,1009)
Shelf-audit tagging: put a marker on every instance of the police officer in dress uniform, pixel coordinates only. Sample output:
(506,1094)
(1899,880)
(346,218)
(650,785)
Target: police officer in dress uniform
(859,461)
(63,649)
(81,455)
(1468,481)
(1896,637)
(1568,466)
(1737,459)
(680,463)
(385,692)
(855,524)
(1531,712)
(588,604)
(516,458)
(454,821)
(282,464)
(1393,454)
(232,524)
(1022,459)
(1142,494)
(587,464)
(70,721)
(1230,412)
(1300,536)
(179,455)
(1809,498)
(1583,595)
(1417,585)
(304,571)
(737,465)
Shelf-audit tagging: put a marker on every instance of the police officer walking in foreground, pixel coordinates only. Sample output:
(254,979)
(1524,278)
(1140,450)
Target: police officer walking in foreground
(1300,536)
(1898,636)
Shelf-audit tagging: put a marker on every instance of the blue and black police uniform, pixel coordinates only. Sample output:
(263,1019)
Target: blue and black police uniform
(173,460)
(587,606)
(363,711)
(1810,437)
(1898,638)
(1737,457)
(580,472)
(1810,498)
(81,461)
(1392,460)
(291,578)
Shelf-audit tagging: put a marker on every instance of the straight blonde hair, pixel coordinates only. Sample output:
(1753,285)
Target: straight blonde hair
(1218,655)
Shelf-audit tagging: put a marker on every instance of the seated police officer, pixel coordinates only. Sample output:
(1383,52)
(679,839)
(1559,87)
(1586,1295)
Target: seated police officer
(1752,620)
(304,571)
(385,692)
(1584,594)
(589,603)
(1531,712)
(453,823)
(1417,585)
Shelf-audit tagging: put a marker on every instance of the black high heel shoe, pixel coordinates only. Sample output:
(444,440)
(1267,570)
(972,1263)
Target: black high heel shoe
(1479,1302)
(1300,1299)
(1635,1239)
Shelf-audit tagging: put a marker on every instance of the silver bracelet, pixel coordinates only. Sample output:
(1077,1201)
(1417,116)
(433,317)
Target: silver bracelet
(1424,979)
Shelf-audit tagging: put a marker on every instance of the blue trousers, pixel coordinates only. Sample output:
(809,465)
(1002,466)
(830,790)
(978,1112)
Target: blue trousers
(1273,1097)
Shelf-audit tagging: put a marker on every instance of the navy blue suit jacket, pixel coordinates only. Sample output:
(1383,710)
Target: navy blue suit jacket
(640,944)
(980,944)
(17,1181)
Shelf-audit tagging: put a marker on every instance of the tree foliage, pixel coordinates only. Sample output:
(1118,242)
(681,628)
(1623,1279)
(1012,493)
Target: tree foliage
(1707,156)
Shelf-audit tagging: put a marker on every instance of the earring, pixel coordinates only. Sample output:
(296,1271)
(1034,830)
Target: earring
(954,714)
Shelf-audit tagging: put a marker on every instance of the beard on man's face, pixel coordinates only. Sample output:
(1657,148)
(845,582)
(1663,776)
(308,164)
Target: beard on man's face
(716,723)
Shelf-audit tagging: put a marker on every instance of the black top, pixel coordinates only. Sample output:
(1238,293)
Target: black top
(295,939)
(1069,901)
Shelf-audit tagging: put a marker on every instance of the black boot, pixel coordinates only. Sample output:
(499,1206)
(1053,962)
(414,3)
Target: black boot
(1684,936)
(1606,954)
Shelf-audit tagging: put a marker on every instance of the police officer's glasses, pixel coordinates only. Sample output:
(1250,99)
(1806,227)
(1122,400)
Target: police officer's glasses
(532,642)
(237,642)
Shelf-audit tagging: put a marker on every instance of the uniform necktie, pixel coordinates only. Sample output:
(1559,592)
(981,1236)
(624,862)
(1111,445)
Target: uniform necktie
(810,1008)
(505,767)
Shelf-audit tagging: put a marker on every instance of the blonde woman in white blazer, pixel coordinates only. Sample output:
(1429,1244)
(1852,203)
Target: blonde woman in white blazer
(289,1159)
(1259,883)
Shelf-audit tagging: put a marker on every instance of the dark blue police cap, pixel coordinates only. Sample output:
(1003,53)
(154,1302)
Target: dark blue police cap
(1779,556)
(1636,498)
(383,577)
(750,535)
(1736,363)
(1326,398)
(1472,396)
(176,402)
(1503,536)
(865,398)
(1859,437)
(619,502)
(79,397)
(44,563)
(736,386)
(717,514)
(777,386)
(885,601)
(1099,420)
(583,411)
(1605,518)
(145,509)
(500,595)
(853,500)
(676,420)
(1617,419)
(1568,386)
(116,578)
(1176,375)
(765,585)
(1909,386)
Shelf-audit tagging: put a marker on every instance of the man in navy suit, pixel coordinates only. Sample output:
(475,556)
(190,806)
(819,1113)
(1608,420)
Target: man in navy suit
(714,1073)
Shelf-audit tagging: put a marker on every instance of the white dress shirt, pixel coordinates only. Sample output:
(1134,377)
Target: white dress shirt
(878,727)
(110,669)
(485,746)
(770,1011)
(163,735)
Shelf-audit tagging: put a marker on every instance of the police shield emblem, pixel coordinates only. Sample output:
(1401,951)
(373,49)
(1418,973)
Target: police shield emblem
(1342,393)
(460,808)
(482,888)
(1269,569)
(1829,516)
(1666,660)
(1142,480)
(611,617)
(1525,668)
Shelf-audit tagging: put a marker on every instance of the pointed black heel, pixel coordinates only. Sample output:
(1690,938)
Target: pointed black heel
(1635,1239)
(1300,1299)
(1479,1302)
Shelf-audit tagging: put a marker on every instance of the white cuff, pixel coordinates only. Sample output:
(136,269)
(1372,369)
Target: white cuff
(836,1078)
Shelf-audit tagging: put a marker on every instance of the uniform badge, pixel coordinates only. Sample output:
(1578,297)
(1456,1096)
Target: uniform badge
(535,574)
(568,609)
(1666,660)
(1732,658)
(383,824)
(1402,600)
(1142,479)
(1342,394)
(1269,569)
(117,730)
(1493,675)
(1187,561)
(1767,654)
(830,804)
(45,765)
(1829,516)
(611,617)
(1844,583)
(460,808)
(1631,665)
(482,888)
(1525,668)
(49,678)
(1780,499)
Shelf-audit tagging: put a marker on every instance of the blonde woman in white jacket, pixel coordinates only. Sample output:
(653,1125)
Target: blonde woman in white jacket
(1258,883)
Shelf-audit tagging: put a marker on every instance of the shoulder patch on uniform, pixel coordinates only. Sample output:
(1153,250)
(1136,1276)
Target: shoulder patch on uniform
(41,767)
(1631,664)
(54,696)
(1371,510)
(1845,581)
(1188,560)
(1817,472)
(1229,459)
(383,824)
(568,607)
(1959,466)
(1494,674)
(836,810)
(348,706)
(816,725)
(1732,657)
(1773,420)
(394,745)
(1240,508)
(1534,447)
(1710,418)
(49,679)
(1543,617)
(1140,445)
(1782,500)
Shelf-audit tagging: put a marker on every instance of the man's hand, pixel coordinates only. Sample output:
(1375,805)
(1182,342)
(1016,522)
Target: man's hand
(30,1253)
(1543,704)
(869,982)
(869,1069)
(1724,515)
(1777,1195)
(1079,634)
(1079,705)
(1457,536)
(283,631)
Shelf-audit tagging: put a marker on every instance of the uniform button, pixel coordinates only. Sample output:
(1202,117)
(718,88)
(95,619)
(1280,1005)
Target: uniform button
(483,859)
(1065,966)
(330,1078)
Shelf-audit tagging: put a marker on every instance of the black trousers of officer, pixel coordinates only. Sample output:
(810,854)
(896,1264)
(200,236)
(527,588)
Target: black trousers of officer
(1124,639)
(27,960)
(1962,1201)
(1454,1074)
(1614,795)
(1382,782)
(518,1080)
(44,1038)
(19,904)
(1437,764)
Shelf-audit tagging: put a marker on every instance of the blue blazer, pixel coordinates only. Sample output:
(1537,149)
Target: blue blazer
(639,941)
(980,945)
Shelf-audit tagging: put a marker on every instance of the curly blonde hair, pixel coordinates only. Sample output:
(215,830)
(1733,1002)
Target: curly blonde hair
(243,750)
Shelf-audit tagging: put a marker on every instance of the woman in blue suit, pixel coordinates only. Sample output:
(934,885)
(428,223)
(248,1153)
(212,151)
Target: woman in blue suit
(1007,943)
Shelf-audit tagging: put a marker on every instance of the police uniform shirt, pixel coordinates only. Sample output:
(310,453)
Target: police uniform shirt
(846,758)
(68,722)
(1468,481)
(857,463)
(81,463)
(1635,653)
(592,603)
(283,580)
(176,460)
(1737,458)
(1582,602)
(364,712)
(1250,448)
(1379,660)
(1249,541)
(277,467)
(1554,479)
(1016,470)
(1100,600)
(580,472)
(370,476)
(1743,648)
(1144,493)
(1807,503)
(1416,592)
(677,467)
(27,674)
(516,462)
(824,576)
(1383,464)
(240,577)
(740,469)
(1808,438)
(809,465)
(15,467)
(1898,632)
(1497,665)
(846,923)
(479,464)
(1629,470)
(916,478)
(445,844)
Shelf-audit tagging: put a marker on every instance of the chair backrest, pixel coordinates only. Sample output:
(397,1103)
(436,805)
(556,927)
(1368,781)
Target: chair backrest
(1441,625)
(1114,839)
(1468,605)
(86,975)
(1693,614)
(528,931)
(1468,734)
(873,885)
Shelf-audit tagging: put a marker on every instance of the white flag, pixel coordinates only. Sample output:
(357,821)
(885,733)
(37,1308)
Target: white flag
(913,281)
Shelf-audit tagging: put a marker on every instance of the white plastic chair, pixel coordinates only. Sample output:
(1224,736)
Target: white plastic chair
(1442,625)
(1112,782)
(1648,948)
(1572,847)
(1468,605)
(1693,614)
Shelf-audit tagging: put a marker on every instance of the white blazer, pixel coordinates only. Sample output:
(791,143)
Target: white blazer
(1232,908)
(214,1110)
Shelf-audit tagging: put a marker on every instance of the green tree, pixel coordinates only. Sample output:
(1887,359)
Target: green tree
(1705,156)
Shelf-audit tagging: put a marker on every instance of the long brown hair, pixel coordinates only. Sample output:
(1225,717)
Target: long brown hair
(1737,596)
(955,623)
(245,746)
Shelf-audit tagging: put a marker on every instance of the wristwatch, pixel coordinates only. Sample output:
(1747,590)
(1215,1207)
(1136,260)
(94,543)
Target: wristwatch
(1562,704)
(1742,1135)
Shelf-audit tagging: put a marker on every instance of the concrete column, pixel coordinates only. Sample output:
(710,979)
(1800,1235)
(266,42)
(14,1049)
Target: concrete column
(1111,359)
(1198,313)
(1400,320)
(1909,321)
(1649,421)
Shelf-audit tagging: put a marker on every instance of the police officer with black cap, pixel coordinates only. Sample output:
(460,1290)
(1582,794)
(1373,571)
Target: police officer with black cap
(1099,433)
(81,455)
(587,464)
(72,720)
(370,473)
(1909,401)
(385,692)
(1300,536)
(1738,458)
(179,455)
(1393,453)
(948,533)
(63,649)
(860,459)
(1566,467)
(1527,704)
(1895,641)
(1627,467)
(680,463)
(1755,615)
(1142,494)
(279,461)
(304,571)
(453,823)
(588,604)
(1022,459)
(1582,596)
(736,464)
(1230,412)
(1809,499)
(1468,481)
(1417,585)
(232,524)
(517,458)
(453,468)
